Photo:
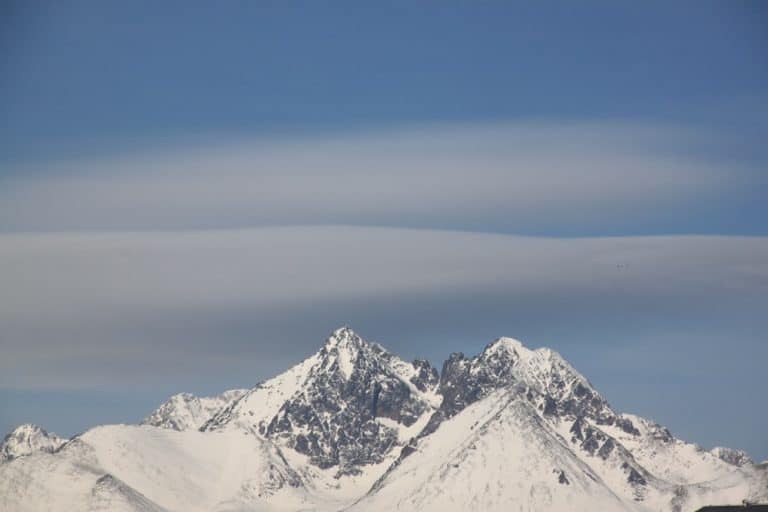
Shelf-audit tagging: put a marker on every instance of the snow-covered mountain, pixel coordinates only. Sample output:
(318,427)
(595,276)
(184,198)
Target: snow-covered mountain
(354,427)
(496,454)
(522,429)
(348,406)
(186,411)
(26,439)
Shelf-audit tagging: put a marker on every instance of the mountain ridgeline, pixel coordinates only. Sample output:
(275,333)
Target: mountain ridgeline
(354,427)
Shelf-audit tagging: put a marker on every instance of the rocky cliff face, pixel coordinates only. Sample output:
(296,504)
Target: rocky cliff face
(346,407)
(334,420)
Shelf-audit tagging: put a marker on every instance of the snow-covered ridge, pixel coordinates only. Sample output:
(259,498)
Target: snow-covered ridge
(186,411)
(355,427)
(27,439)
(734,457)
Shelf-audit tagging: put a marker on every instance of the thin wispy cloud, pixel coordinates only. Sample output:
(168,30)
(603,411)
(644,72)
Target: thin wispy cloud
(515,177)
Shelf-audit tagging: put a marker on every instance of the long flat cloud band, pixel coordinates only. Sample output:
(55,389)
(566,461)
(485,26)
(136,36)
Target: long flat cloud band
(518,177)
(78,300)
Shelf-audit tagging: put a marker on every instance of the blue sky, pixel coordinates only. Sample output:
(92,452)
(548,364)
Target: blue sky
(442,134)
(86,77)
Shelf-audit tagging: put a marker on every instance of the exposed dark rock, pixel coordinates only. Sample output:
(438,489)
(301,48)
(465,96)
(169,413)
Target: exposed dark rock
(340,404)
(550,407)
(576,430)
(627,426)
(426,376)
(633,476)
(590,445)
(606,449)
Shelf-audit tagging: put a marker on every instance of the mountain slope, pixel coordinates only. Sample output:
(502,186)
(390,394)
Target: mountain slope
(148,468)
(494,455)
(636,460)
(110,494)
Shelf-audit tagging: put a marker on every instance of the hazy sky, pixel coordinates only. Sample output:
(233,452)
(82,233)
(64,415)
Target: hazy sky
(193,196)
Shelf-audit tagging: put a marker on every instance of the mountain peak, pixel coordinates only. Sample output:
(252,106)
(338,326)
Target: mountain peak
(344,335)
(731,456)
(347,406)
(341,351)
(506,345)
(27,439)
(28,429)
(185,411)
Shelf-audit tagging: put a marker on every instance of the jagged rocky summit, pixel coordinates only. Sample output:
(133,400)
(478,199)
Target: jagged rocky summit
(346,407)
(354,427)
(185,411)
(26,439)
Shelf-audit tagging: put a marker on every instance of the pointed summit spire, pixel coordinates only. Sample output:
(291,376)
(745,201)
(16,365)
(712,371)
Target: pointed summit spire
(342,349)
(505,344)
(343,335)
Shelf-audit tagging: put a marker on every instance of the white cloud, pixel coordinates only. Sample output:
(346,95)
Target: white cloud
(522,176)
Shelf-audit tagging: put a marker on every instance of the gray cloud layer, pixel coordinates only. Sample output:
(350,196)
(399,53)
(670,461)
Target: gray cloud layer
(84,310)
(523,177)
